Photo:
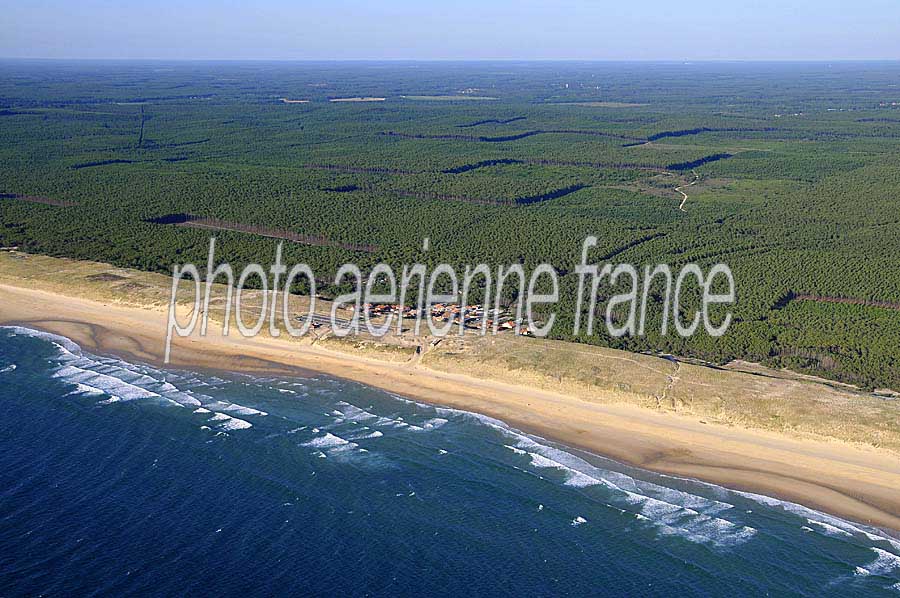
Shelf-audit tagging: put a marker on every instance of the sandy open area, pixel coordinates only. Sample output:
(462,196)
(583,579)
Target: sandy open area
(847,479)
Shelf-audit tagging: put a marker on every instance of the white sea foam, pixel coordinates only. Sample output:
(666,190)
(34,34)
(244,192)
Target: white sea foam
(366,436)
(128,382)
(329,440)
(10,368)
(84,389)
(578,521)
(334,446)
(829,529)
(233,408)
(62,343)
(351,413)
(885,562)
(108,384)
(348,412)
(228,423)
(673,512)
(832,525)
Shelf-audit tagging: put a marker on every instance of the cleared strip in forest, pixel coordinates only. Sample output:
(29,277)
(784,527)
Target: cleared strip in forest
(518,201)
(60,203)
(488,163)
(492,121)
(623,165)
(514,137)
(185,143)
(357,169)
(631,245)
(698,131)
(482,164)
(100,163)
(192,221)
(141,135)
(832,299)
(699,162)
(718,255)
(344,189)
(502,161)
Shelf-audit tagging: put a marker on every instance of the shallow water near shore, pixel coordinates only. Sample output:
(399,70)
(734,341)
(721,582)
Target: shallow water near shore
(120,478)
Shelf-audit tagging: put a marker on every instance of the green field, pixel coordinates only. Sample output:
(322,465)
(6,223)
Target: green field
(798,179)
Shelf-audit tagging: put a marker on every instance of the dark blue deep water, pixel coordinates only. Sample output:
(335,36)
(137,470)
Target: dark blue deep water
(121,479)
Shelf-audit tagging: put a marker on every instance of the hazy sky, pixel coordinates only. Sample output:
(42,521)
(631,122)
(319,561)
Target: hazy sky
(456,29)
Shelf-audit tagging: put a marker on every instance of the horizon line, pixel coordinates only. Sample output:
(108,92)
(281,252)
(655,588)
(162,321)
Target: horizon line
(461,60)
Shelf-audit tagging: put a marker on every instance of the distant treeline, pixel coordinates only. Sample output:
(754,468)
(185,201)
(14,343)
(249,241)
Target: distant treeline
(506,161)
(6,112)
(205,96)
(514,137)
(193,221)
(492,121)
(517,201)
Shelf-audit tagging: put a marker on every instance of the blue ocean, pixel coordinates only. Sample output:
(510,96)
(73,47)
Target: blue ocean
(121,479)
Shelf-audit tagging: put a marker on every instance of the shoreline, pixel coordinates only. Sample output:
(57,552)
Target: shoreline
(853,482)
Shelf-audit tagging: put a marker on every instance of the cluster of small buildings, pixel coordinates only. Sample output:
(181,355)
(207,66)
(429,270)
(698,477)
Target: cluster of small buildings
(472,315)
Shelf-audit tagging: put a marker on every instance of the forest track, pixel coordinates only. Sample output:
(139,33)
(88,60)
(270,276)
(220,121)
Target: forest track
(685,195)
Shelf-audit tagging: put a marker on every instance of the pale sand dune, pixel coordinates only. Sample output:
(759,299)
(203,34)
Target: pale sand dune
(852,481)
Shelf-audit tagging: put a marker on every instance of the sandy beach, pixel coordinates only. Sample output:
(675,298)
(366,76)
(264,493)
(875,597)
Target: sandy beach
(852,481)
